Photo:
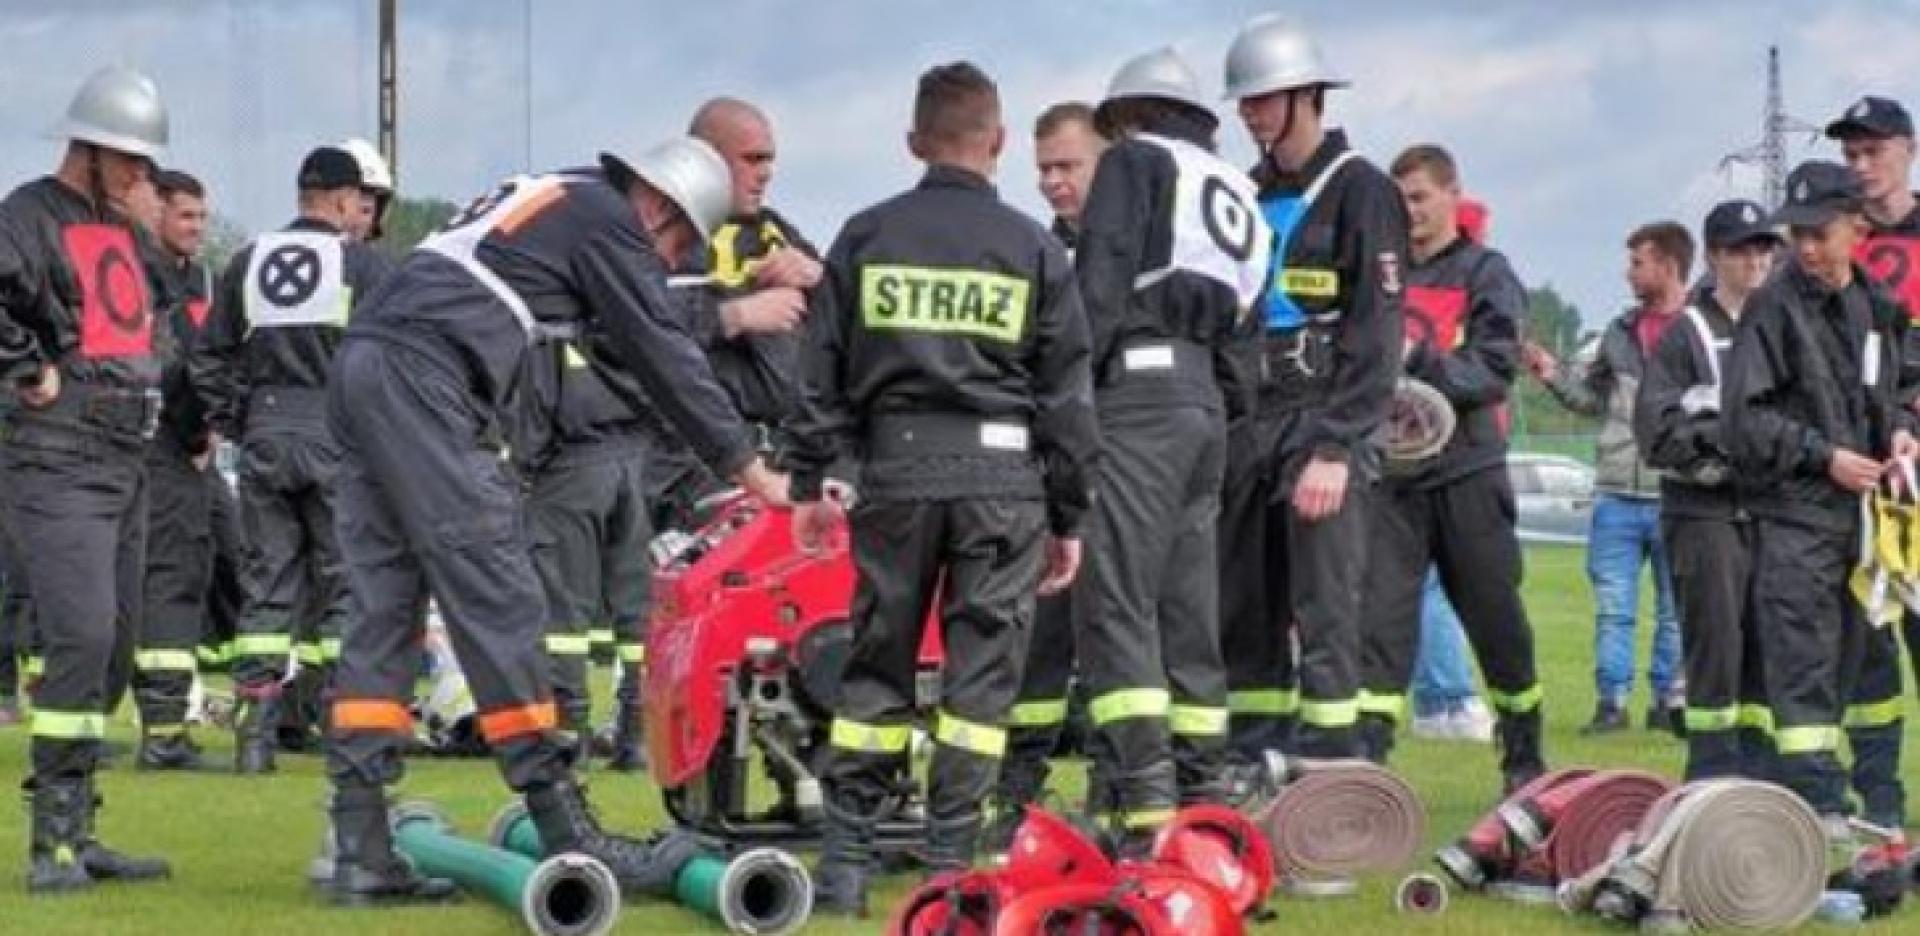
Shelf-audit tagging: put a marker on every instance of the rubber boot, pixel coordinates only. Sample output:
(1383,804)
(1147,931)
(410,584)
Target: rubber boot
(952,843)
(1019,786)
(105,864)
(567,824)
(576,722)
(168,750)
(53,845)
(366,870)
(846,860)
(629,729)
(1521,759)
(1375,734)
(256,729)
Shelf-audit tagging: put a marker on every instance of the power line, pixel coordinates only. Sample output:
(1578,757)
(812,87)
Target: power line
(1770,154)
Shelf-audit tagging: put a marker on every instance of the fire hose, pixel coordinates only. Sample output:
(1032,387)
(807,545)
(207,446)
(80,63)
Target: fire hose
(1334,820)
(1573,825)
(565,895)
(1717,853)
(765,891)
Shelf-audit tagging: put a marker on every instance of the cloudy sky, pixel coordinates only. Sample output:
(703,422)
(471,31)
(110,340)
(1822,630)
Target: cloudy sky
(1575,121)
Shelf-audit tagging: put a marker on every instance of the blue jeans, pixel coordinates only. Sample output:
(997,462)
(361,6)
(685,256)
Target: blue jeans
(1442,675)
(1625,536)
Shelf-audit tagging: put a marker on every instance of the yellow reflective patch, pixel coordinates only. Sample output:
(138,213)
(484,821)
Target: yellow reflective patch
(165,660)
(1384,704)
(50,723)
(1146,818)
(1197,721)
(1330,714)
(569,644)
(1129,703)
(573,358)
(1712,719)
(1312,284)
(1756,716)
(601,635)
(1875,714)
(1264,701)
(967,303)
(1038,714)
(1807,739)
(874,739)
(984,740)
(1526,700)
(263,645)
(633,653)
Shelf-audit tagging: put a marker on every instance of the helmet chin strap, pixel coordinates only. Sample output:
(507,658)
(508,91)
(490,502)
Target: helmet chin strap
(1286,130)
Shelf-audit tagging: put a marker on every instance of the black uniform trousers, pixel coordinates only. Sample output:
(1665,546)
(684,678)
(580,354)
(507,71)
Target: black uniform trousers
(295,589)
(226,593)
(1038,719)
(175,586)
(985,558)
(78,504)
(427,507)
(1465,529)
(1876,727)
(1728,722)
(1289,602)
(1147,613)
(588,511)
(19,642)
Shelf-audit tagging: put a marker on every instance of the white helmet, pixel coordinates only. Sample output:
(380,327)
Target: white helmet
(118,109)
(1271,54)
(1161,73)
(689,172)
(374,171)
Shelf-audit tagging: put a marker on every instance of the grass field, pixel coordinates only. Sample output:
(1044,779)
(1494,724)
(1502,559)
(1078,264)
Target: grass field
(240,847)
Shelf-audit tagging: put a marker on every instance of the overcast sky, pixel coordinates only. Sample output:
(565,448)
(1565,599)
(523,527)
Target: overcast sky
(1575,121)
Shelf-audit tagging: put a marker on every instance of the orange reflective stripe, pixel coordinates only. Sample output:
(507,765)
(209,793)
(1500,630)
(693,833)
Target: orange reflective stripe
(520,720)
(371,715)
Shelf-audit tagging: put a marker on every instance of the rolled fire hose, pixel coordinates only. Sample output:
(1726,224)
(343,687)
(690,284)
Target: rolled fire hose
(1576,823)
(1337,819)
(762,892)
(1730,853)
(1420,422)
(566,895)
(1485,854)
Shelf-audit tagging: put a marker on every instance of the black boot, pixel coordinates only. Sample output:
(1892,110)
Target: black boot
(952,843)
(567,824)
(53,845)
(1521,758)
(1375,733)
(105,864)
(256,730)
(629,729)
(366,870)
(576,723)
(168,751)
(1020,785)
(846,859)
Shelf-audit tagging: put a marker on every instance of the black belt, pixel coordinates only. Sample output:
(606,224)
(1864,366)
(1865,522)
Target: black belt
(119,411)
(1159,359)
(934,434)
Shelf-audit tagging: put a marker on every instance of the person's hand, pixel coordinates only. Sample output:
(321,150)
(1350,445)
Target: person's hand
(767,312)
(1321,490)
(1539,362)
(1063,563)
(787,267)
(765,483)
(1853,471)
(205,458)
(1905,446)
(813,522)
(42,393)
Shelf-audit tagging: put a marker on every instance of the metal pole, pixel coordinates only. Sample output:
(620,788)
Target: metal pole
(389,89)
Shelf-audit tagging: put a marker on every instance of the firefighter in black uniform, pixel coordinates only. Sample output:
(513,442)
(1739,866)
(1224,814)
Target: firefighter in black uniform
(1816,410)
(83,341)
(1067,149)
(948,348)
(1173,253)
(1453,510)
(1876,136)
(262,365)
(1703,511)
(427,506)
(1293,530)
(180,557)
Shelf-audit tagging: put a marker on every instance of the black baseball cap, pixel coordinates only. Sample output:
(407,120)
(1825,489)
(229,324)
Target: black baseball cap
(1817,192)
(1736,222)
(328,168)
(1874,117)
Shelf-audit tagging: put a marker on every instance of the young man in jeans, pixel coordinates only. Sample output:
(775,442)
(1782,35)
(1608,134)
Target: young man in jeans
(1626,512)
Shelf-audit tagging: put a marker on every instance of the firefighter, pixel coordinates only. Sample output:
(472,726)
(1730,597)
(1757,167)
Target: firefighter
(948,348)
(1454,510)
(1876,137)
(1293,530)
(262,365)
(180,555)
(82,347)
(1173,253)
(367,222)
(427,506)
(1066,147)
(1704,517)
(1815,410)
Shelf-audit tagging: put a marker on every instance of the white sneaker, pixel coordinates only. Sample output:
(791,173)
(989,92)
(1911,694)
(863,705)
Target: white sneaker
(1472,722)
(1437,727)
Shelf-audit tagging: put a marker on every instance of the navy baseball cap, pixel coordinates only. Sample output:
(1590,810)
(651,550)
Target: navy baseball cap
(1817,192)
(1736,222)
(328,168)
(1872,116)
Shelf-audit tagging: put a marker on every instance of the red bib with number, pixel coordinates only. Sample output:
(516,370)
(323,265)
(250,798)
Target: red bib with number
(1434,313)
(1893,260)
(115,321)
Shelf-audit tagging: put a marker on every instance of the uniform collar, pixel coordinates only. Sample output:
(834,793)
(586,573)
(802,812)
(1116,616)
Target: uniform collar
(1813,287)
(941,175)
(1332,144)
(1066,233)
(304,223)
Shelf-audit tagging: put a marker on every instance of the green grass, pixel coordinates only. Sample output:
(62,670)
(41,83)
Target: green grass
(240,847)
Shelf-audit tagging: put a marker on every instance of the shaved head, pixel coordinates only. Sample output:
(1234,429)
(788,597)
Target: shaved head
(744,138)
